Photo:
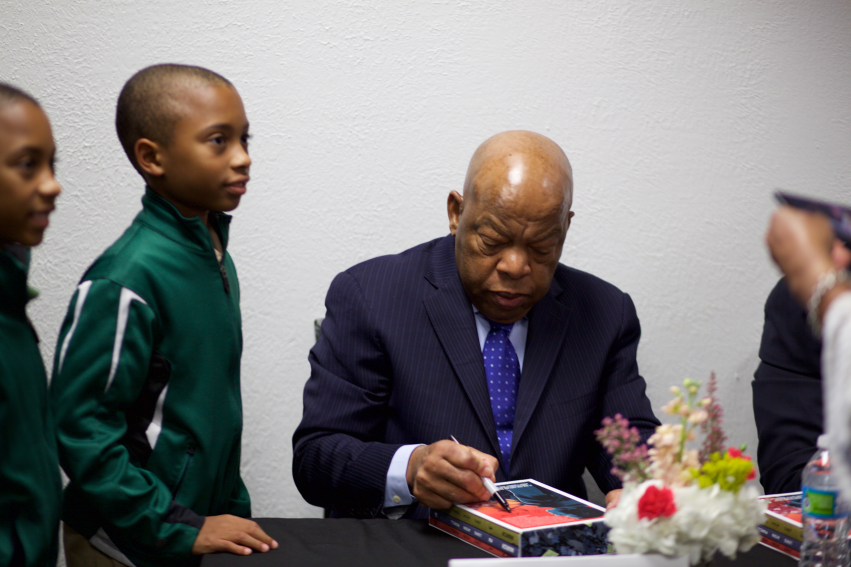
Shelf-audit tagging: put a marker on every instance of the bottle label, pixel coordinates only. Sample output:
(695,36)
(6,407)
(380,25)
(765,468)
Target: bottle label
(821,504)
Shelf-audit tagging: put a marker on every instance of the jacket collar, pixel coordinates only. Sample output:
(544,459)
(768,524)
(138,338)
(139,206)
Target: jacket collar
(14,264)
(549,321)
(163,217)
(448,309)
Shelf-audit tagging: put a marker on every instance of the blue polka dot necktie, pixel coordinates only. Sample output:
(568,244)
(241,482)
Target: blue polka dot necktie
(502,371)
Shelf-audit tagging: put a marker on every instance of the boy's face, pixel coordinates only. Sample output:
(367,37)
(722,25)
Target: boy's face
(205,166)
(27,185)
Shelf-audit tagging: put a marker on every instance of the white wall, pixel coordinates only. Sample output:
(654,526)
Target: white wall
(679,117)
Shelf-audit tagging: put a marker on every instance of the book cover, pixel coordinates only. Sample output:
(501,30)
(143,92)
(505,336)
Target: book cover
(542,521)
(477,533)
(765,531)
(784,514)
(839,215)
(463,536)
(777,546)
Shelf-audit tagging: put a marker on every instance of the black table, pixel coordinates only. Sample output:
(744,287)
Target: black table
(309,542)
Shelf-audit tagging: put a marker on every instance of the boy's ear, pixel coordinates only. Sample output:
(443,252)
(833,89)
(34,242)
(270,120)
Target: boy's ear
(149,157)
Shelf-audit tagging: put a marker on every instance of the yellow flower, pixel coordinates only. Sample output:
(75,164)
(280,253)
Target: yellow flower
(729,473)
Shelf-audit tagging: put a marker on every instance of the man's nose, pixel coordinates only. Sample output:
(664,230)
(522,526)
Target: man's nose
(514,263)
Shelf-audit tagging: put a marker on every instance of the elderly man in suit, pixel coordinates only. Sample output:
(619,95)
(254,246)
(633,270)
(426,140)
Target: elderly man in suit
(481,334)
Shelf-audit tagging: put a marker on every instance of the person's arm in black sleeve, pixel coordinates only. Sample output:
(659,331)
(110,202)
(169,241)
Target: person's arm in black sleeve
(339,459)
(625,394)
(787,395)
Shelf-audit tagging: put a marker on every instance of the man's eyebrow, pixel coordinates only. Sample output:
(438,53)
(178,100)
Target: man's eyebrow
(489,222)
(554,233)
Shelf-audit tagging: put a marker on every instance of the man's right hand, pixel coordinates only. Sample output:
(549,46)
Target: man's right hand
(231,534)
(800,242)
(804,246)
(445,472)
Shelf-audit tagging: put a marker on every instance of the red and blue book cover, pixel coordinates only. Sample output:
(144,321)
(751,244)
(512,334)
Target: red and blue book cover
(783,514)
(542,521)
(535,505)
(784,517)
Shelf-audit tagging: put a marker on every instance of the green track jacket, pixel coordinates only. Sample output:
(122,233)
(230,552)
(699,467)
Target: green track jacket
(146,390)
(30,486)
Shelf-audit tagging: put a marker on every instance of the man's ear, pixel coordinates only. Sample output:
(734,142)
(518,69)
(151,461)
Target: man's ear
(149,157)
(569,217)
(454,205)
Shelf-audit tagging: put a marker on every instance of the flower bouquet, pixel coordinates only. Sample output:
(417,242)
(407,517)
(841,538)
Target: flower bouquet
(679,500)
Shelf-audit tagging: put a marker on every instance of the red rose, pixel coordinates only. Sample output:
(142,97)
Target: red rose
(734,452)
(656,502)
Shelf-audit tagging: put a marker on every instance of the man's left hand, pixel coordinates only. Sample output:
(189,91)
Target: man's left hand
(613,497)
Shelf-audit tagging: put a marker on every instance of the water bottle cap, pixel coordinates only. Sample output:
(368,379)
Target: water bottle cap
(822,441)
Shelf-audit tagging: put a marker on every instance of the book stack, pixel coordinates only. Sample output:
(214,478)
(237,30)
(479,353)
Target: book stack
(543,521)
(782,529)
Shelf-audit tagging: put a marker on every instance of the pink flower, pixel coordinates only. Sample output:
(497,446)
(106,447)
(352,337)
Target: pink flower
(621,442)
(656,502)
(714,440)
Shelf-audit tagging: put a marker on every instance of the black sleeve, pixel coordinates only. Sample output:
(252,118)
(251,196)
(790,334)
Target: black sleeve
(787,398)
(339,458)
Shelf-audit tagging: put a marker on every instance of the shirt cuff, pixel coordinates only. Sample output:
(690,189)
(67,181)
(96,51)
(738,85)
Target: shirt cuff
(396,493)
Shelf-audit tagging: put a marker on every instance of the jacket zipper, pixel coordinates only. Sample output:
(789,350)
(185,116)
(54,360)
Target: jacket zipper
(230,308)
(224,274)
(222,271)
(190,452)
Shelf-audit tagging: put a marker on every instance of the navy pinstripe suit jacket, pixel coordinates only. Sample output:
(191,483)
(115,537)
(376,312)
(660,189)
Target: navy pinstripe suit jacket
(399,362)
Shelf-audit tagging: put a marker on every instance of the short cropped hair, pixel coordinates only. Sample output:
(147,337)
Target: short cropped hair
(149,104)
(10,95)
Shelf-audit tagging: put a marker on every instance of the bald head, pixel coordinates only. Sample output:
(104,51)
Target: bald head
(151,103)
(511,222)
(519,161)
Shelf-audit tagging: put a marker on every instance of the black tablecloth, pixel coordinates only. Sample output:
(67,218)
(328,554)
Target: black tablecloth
(383,543)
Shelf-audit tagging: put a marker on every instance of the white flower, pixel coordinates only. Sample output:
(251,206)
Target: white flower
(707,520)
(698,416)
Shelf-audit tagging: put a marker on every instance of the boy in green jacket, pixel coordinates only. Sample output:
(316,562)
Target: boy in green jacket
(30,486)
(145,384)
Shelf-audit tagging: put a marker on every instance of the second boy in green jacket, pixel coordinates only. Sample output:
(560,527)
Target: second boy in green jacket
(146,384)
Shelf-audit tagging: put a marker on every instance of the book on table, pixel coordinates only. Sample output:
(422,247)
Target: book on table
(783,527)
(784,549)
(767,533)
(543,521)
(784,514)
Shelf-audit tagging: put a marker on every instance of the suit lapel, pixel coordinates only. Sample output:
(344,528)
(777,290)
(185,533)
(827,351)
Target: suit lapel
(548,324)
(451,314)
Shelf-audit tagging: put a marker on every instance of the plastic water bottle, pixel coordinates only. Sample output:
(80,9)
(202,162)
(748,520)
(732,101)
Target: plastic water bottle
(825,514)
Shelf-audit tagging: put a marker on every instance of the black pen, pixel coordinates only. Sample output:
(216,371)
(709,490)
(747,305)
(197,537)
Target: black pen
(490,486)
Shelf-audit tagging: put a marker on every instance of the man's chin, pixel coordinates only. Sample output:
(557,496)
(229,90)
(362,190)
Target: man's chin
(504,316)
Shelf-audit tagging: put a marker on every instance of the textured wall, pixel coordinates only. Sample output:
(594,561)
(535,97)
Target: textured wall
(679,118)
